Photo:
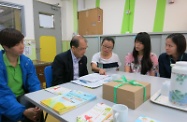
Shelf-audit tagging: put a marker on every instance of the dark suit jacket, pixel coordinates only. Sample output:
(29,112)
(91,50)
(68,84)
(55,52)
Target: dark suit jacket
(62,68)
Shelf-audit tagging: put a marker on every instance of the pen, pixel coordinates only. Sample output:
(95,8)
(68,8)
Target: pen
(158,96)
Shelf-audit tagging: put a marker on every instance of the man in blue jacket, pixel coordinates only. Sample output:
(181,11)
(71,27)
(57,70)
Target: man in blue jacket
(17,77)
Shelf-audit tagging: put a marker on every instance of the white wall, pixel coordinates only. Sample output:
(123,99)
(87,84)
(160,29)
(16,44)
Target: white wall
(89,4)
(176,17)
(112,15)
(80,5)
(67,20)
(144,15)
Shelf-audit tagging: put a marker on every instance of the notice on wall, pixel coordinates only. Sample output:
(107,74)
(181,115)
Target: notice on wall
(27,50)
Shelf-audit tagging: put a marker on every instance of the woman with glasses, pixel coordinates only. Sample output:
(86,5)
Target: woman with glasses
(141,60)
(105,60)
(175,51)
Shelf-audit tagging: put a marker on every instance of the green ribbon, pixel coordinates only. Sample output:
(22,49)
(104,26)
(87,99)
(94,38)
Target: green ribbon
(124,81)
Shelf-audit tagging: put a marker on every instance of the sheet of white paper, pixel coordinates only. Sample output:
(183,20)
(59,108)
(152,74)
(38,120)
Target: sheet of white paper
(27,50)
(94,77)
(58,90)
(108,78)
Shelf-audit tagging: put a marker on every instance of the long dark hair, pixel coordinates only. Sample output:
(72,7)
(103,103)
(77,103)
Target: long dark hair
(146,63)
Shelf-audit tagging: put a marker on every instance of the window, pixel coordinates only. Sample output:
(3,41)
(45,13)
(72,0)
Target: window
(46,20)
(11,16)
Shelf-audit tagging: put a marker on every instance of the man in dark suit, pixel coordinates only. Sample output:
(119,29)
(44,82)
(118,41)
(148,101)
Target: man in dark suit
(71,64)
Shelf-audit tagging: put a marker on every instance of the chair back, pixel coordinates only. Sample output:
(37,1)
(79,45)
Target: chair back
(48,76)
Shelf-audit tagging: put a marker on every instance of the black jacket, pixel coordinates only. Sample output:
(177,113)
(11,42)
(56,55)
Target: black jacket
(62,68)
(165,62)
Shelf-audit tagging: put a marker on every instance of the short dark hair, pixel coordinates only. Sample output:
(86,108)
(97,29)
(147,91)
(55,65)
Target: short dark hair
(10,37)
(75,41)
(179,40)
(108,39)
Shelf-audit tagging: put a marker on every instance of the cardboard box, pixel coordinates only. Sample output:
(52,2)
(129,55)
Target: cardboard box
(90,22)
(129,95)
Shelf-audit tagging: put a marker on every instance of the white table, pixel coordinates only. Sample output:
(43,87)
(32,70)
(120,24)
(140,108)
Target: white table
(161,113)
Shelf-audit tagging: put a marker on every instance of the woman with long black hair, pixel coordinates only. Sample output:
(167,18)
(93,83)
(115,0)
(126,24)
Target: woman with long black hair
(142,60)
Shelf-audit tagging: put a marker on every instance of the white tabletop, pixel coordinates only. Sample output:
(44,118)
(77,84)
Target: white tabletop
(158,112)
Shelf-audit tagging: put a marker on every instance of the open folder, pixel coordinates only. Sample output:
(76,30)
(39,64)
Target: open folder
(95,80)
(91,78)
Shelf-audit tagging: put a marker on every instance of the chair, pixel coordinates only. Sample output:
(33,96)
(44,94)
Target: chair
(48,80)
(48,76)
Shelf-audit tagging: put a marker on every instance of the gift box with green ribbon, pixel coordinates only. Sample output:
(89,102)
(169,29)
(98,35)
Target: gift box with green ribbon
(128,92)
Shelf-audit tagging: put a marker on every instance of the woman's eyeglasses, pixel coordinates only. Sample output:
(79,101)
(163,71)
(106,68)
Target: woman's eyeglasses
(106,47)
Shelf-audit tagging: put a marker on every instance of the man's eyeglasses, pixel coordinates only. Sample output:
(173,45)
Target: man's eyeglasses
(81,48)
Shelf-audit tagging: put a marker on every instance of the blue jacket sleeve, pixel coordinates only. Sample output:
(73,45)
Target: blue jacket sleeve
(30,79)
(9,106)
